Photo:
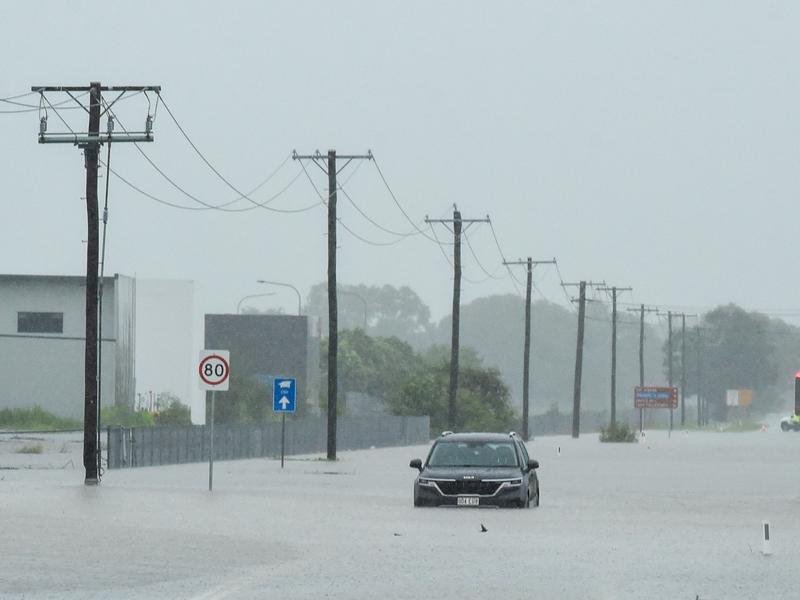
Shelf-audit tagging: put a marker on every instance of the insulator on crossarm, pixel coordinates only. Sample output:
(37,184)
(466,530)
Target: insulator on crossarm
(148,124)
(110,124)
(43,125)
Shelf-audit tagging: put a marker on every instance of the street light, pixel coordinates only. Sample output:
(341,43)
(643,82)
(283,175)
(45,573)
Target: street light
(364,302)
(288,285)
(239,305)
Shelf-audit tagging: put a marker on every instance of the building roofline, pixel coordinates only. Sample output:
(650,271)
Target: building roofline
(54,278)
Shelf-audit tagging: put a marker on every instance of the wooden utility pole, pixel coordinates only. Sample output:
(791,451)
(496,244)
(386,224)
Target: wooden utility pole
(683,367)
(576,388)
(333,310)
(641,310)
(683,370)
(700,416)
(330,168)
(452,390)
(526,354)
(614,290)
(90,152)
(90,143)
(576,395)
(669,363)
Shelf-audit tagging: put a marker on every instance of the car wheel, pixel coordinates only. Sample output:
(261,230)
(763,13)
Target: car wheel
(536,497)
(784,426)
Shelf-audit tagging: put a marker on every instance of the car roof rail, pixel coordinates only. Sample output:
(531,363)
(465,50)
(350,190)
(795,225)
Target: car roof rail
(446,433)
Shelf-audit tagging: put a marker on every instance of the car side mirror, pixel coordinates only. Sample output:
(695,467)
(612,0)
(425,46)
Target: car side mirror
(416,464)
(533,464)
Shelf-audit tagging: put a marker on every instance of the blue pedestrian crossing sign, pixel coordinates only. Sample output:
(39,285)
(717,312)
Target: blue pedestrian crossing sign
(284,395)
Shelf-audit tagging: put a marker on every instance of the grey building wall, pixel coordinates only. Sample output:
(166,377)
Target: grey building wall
(263,345)
(46,370)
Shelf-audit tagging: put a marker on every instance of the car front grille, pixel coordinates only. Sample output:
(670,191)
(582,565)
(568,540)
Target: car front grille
(481,488)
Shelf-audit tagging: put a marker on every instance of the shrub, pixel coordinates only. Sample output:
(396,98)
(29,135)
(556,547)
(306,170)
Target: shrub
(34,418)
(123,416)
(617,432)
(176,413)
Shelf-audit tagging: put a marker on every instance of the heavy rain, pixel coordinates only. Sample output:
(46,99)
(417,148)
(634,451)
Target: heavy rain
(448,300)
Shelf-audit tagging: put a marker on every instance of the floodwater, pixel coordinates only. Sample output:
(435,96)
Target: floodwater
(675,518)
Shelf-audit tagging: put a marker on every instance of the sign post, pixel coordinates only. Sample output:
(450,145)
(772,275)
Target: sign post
(656,397)
(214,370)
(284,400)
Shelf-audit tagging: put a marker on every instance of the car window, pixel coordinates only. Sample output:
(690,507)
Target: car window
(473,454)
(524,453)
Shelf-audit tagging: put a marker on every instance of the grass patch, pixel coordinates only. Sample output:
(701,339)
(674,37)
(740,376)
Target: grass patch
(32,449)
(35,419)
(122,416)
(617,432)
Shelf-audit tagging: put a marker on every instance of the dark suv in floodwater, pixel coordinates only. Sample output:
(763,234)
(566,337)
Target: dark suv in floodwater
(477,469)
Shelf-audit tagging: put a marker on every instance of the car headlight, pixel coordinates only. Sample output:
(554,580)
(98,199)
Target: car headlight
(512,483)
(423,481)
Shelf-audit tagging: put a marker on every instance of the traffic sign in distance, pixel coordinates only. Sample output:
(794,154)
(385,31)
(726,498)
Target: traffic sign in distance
(284,395)
(214,369)
(655,397)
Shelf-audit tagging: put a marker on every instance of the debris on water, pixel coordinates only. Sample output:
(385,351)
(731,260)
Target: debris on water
(397,534)
(483,528)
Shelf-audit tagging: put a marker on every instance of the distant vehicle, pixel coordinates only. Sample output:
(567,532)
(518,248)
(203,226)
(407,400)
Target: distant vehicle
(790,424)
(477,469)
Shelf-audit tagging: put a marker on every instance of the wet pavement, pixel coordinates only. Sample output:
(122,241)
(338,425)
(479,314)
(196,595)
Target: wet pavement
(675,518)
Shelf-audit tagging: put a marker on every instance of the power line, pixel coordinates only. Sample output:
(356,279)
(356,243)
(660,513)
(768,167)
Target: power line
(503,258)
(216,172)
(219,207)
(28,108)
(402,210)
(439,244)
(339,220)
(205,205)
(371,220)
(477,261)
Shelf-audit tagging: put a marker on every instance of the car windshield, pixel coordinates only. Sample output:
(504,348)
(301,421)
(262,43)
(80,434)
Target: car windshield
(473,454)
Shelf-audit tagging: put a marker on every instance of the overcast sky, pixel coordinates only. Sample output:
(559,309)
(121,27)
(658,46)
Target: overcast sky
(650,144)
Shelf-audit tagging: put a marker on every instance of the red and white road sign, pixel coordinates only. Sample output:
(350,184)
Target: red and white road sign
(214,369)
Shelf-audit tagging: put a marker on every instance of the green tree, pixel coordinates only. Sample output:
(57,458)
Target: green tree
(482,399)
(175,413)
(738,350)
(389,311)
(372,365)
(247,401)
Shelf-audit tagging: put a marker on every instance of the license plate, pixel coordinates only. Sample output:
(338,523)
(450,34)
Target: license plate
(468,501)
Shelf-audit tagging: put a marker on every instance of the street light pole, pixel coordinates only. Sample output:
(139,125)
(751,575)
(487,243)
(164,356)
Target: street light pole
(287,285)
(239,304)
(364,302)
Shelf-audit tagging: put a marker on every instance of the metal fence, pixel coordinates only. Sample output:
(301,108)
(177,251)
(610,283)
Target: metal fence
(150,446)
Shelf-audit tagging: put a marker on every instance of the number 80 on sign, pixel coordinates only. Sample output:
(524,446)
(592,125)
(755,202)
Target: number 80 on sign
(214,369)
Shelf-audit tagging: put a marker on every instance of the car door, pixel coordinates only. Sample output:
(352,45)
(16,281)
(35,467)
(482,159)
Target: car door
(523,452)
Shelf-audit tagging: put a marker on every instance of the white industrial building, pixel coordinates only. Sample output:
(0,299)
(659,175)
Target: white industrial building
(42,332)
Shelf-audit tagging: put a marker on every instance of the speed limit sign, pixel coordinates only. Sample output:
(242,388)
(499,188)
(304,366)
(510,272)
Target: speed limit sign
(214,369)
